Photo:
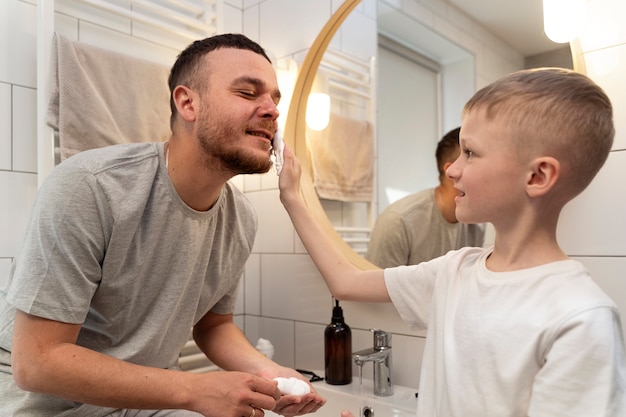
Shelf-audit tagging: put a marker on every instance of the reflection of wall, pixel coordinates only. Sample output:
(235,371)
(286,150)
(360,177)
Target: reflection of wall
(560,57)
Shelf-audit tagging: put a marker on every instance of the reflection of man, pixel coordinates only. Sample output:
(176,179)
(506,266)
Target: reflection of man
(423,225)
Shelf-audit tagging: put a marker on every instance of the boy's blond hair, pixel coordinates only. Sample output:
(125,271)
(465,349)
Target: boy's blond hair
(553,112)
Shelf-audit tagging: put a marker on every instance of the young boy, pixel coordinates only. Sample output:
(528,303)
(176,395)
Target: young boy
(517,329)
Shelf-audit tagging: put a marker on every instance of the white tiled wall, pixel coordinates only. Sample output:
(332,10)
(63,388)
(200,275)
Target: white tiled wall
(282,297)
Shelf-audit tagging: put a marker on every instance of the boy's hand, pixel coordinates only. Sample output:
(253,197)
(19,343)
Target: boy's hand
(289,179)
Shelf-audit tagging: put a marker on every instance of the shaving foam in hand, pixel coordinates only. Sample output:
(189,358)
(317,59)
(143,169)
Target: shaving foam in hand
(292,386)
(278,145)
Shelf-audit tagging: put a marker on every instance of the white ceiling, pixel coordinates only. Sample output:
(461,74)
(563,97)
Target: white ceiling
(517,22)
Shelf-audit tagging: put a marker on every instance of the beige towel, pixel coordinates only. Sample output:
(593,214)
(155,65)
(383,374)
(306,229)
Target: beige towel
(342,156)
(99,97)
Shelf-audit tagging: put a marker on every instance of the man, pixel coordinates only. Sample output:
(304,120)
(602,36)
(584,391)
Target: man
(131,246)
(423,226)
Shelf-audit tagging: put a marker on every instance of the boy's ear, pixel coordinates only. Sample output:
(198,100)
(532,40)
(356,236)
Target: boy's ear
(544,172)
(185,100)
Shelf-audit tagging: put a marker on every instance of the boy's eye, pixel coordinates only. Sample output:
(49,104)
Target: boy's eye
(468,153)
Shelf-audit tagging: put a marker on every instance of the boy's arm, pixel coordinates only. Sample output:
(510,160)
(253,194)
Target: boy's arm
(344,280)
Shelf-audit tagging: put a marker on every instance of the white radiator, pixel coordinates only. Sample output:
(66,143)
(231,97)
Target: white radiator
(193,360)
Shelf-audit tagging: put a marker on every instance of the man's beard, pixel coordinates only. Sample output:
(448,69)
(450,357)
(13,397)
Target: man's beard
(237,160)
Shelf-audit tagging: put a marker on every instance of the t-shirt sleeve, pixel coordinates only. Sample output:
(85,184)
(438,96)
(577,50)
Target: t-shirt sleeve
(411,291)
(59,267)
(587,352)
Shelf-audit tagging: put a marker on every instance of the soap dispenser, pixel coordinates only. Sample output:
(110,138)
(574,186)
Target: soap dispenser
(338,349)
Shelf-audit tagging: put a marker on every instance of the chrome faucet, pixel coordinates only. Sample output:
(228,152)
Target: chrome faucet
(380,356)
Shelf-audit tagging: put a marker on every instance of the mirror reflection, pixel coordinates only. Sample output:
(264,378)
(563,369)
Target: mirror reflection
(395,88)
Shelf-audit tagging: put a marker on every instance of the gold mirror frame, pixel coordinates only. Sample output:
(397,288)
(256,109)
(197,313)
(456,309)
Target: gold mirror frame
(295,128)
(295,125)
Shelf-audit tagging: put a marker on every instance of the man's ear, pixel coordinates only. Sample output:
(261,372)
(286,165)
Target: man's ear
(186,101)
(544,173)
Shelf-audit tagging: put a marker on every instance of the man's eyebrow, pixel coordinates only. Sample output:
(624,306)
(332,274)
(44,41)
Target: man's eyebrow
(257,83)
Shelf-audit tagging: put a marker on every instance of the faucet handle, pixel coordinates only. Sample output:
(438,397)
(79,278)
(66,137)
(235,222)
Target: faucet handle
(382,339)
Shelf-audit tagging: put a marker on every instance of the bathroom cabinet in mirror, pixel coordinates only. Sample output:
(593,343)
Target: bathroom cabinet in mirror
(453,55)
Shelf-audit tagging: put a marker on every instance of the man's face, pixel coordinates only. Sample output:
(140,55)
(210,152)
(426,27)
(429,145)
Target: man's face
(237,118)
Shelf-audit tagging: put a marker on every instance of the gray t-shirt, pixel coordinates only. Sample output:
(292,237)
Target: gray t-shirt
(111,245)
(413,230)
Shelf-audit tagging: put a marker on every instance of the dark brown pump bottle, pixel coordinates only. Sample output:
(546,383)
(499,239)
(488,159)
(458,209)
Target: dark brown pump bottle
(338,349)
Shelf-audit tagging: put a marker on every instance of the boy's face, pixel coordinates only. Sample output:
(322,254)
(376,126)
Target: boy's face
(488,175)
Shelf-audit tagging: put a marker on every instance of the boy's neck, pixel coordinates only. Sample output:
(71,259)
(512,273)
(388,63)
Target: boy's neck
(527,242)
(526,255)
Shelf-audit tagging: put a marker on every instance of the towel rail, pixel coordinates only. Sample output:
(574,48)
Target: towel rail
(349,90)
(169,25)
(350,82)
(192,8)
(192,359)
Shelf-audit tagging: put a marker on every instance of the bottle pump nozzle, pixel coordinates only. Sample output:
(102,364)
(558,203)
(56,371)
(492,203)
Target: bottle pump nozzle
(337,311)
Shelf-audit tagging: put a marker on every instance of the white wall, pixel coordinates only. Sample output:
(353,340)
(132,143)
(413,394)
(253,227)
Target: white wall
(284,299)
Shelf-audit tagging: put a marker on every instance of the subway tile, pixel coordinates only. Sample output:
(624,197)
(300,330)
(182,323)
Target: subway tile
(251,182)
(233,22)
(293,289)
(407,359)
(602,67)
(275,232)
(309,346)
(107,38)
(24,129)
(283,39)
(253,285)
(251,26)
(593,224)
(240,300)
(601,29)
(88,14)
(269,180)
(18,194)
(357,36)
(66,26)
(279,332)
(19,50)
(5,126)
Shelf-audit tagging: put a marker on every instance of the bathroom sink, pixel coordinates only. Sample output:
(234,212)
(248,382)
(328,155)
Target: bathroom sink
(402,403)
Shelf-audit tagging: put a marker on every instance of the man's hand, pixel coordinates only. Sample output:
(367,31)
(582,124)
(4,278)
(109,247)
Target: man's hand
(234,394)
(294,405)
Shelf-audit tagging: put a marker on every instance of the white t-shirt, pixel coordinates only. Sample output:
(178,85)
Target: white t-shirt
(544,341)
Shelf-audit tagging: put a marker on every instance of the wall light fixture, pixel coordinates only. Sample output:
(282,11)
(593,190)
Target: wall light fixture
(564,20)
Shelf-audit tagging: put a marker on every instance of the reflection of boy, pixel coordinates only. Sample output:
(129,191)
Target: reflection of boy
(518,329)
(422,226)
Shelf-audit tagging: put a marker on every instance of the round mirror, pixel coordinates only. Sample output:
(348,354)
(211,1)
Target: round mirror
(451,69)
